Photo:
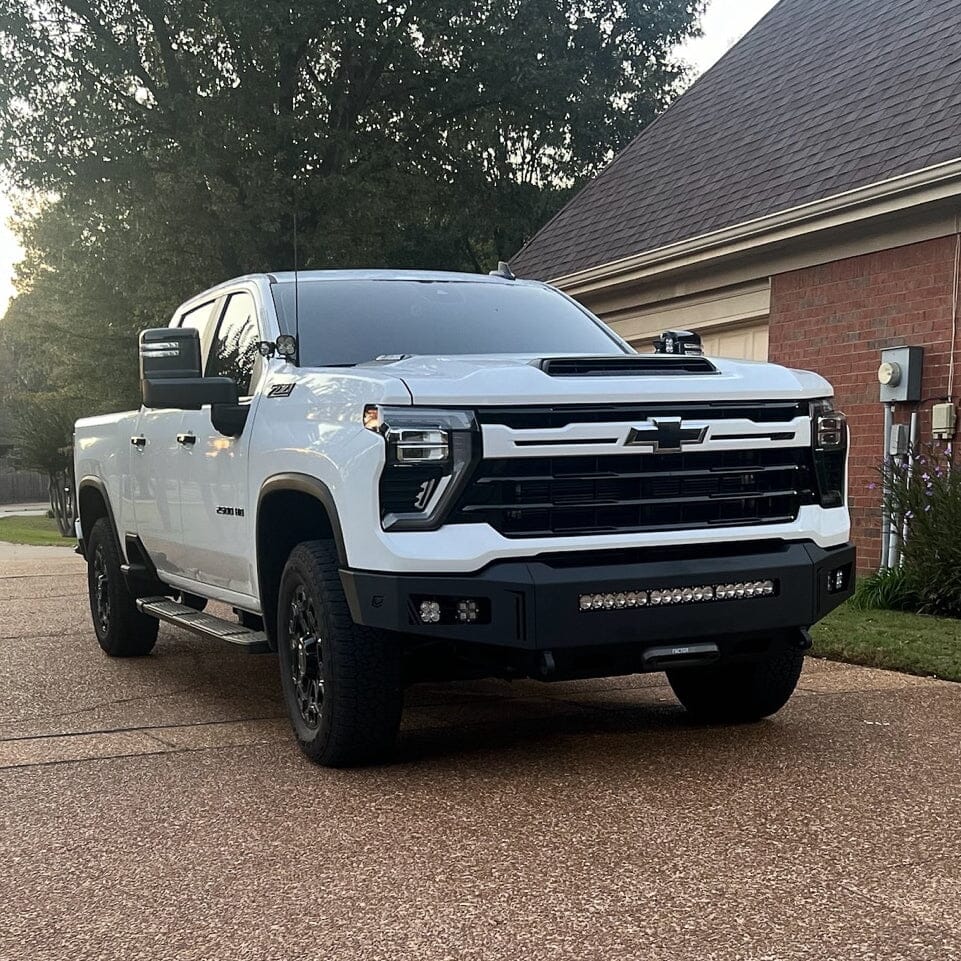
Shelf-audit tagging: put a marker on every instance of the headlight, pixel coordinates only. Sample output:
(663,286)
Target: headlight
(428,458)
(829,437)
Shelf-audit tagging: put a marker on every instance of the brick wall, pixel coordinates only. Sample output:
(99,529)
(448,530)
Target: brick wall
(836,318)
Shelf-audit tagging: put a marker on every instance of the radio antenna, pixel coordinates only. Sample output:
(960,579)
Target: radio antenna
(296,278)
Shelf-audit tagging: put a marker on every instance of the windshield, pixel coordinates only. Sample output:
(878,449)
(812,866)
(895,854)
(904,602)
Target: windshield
(353,321)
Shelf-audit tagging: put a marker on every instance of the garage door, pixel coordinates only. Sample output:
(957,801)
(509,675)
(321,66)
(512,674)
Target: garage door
(732,321)
(742,341)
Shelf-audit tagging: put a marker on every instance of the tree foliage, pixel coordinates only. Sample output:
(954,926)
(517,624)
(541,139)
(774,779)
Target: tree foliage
(176,137)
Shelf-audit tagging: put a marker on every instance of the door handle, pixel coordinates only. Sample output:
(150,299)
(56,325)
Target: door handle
(187,439)
(139,441)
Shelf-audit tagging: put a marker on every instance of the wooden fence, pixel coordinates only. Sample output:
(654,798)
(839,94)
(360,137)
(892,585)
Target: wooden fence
(23,486)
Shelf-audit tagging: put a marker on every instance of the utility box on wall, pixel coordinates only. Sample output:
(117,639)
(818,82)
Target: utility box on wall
(900,374)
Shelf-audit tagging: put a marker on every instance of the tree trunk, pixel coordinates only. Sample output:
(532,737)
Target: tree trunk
(61,501)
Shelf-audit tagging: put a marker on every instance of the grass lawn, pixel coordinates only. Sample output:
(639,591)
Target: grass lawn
(33,530)
(912,643)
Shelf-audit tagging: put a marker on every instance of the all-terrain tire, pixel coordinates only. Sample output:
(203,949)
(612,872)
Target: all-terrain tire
(342,682)
(740,692)
(121,629)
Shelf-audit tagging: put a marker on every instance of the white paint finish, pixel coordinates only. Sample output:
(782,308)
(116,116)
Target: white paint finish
(244,602)
(479,381)
(218,524)
(465,549)
(213,476)
(317,431)
(155,488)
(102,451)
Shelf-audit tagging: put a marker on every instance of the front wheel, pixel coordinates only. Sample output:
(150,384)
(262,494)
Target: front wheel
(740,692)
(342,682)
(121,629)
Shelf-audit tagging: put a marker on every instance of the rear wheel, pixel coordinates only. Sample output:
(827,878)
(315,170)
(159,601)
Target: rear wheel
(740,692)
(342,682)
(121,629)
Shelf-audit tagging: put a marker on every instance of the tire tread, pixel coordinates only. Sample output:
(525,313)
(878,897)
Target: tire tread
(131,633)
(744,692)
(367,694)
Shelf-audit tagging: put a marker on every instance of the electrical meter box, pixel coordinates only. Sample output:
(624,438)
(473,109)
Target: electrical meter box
(943,418)
(900,374)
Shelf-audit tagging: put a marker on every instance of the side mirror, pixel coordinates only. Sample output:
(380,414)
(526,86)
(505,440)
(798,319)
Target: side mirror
(171,375)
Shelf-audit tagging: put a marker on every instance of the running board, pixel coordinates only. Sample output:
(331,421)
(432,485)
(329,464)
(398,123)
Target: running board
(206,625)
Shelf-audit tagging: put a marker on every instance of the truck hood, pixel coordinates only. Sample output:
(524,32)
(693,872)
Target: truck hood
(514,380)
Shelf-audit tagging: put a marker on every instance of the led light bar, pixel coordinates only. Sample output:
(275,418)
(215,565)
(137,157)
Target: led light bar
(625,600)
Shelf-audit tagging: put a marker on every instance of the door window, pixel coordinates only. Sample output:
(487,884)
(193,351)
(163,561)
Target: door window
(234,349)
(201,319)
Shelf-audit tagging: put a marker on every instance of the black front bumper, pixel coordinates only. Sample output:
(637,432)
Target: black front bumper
(534,604)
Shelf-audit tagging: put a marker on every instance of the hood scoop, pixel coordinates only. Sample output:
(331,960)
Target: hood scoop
(640,365)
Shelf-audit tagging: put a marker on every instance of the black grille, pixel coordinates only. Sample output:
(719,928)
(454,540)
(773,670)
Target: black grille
(531,418)
(402,489)
(541,496)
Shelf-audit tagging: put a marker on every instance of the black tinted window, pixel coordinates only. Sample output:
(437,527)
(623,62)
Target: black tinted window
(234,350)
(201,319)
(349,322)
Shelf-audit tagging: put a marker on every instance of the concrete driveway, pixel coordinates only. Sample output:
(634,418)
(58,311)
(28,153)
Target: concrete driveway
(157,809)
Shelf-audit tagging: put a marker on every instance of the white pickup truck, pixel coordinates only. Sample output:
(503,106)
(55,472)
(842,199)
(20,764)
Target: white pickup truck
(397,475)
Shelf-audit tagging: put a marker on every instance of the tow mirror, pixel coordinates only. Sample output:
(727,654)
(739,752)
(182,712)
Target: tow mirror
(171,374)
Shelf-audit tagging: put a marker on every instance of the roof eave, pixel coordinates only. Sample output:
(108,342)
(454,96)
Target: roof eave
(863,203)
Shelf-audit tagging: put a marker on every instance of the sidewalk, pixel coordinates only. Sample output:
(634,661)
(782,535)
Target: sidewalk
(23,510)
(32,552)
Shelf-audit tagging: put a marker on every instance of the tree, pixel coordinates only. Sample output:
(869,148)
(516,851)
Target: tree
(43,435)
(178,136)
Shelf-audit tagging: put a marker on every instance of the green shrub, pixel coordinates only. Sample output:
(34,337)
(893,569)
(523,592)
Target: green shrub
(924,490)
(889,590)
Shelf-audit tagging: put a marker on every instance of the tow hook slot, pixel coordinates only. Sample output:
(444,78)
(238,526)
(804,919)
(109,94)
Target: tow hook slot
(680,655)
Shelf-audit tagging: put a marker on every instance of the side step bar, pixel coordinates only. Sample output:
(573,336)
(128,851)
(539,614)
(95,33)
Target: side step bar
(206,625)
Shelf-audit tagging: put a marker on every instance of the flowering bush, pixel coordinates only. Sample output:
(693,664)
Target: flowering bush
(925,492)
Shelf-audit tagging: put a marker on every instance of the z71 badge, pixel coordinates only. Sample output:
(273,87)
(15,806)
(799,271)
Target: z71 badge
(281,390)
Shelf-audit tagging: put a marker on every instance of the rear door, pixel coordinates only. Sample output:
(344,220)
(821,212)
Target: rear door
(155,465)
(214,467)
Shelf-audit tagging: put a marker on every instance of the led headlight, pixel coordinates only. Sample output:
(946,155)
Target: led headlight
(829,437)
(428,455)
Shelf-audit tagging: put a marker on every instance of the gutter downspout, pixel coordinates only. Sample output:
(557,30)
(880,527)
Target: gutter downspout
(885,458)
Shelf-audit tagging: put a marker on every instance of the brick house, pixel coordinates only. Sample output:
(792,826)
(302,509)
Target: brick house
(801,202)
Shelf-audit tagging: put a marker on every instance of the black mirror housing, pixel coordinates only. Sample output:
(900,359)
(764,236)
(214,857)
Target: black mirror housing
(170,352)
(171,376)
(187,393)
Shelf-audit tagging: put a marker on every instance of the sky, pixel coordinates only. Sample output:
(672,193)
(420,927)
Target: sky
(724,23)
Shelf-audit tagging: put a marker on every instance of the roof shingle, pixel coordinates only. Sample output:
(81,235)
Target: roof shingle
(822,96)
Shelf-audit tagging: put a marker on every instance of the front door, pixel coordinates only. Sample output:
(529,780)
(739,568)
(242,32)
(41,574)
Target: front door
(156,462)
(213,491)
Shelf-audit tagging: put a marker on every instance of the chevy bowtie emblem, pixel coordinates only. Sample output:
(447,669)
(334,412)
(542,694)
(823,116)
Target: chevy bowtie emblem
(666,435)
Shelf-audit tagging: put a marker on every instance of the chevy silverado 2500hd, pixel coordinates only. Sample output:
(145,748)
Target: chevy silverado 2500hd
(392,475)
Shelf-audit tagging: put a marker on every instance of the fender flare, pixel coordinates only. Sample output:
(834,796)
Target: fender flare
(92,481)
(314,487)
